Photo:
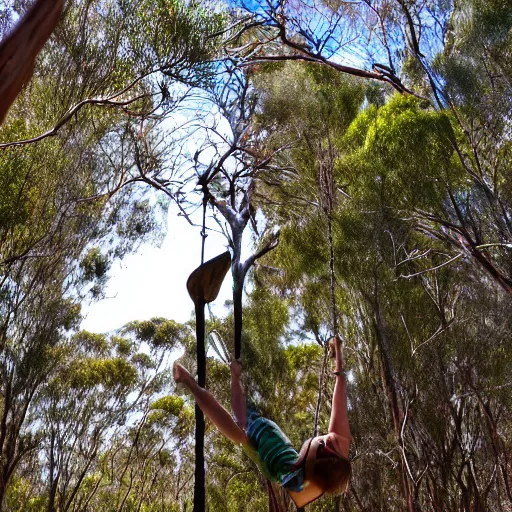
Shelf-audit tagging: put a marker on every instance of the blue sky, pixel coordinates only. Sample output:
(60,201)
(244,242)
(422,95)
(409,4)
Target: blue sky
(152,282)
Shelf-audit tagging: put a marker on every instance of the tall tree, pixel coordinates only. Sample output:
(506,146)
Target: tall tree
(424,51)
(60,197)
(405,305)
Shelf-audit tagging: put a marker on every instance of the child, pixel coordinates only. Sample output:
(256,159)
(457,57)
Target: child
(321,466)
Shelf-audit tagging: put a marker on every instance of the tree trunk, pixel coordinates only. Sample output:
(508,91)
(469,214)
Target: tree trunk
(19,49)
(53,479)
(390,385)
(238,286)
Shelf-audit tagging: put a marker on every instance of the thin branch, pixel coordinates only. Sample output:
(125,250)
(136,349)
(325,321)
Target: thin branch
(433,268)
(68,115)
(269,246)
(483,246)
(109,101)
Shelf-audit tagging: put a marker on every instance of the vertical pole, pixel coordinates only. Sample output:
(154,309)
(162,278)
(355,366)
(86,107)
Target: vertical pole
(199,475)
(199,480)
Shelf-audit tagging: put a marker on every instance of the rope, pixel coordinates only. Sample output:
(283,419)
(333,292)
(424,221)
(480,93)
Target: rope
(327,202)
(203,231)
(334,311)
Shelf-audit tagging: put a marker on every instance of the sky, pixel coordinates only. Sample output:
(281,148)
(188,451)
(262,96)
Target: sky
(152,282)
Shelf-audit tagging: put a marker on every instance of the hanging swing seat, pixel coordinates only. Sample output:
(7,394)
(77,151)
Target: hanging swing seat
(205,282)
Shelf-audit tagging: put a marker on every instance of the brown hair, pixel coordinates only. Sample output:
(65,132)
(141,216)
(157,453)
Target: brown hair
(332,473)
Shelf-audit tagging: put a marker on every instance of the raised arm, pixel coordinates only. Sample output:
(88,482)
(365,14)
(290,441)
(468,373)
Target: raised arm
(339,417)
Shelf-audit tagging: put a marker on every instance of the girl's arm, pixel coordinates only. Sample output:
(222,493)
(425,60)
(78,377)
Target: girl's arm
(339,417)
(211,408)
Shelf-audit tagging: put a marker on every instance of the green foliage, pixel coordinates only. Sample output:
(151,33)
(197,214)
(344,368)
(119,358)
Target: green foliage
(172,405)
(143,361)
(19,497)
(13,197)
(110,373)
(158,332)
(65,215)
(268,315)
(171,31)
(404,314)
(427,340)
(123,346)
(90,342)
(94,265)
(300,356)
(403,153)
(310,98)
(66,313)
(138,222)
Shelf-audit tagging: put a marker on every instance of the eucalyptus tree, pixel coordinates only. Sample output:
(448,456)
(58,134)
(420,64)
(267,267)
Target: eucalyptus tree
(102,438)
(229,180)
(452,55)
(86,400)
(79,134)
(145,463)
(407,308)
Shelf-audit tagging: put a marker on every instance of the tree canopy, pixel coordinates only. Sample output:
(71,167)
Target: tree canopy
(357,158)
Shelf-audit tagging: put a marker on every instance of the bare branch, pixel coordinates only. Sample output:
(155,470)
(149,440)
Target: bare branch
(269,246)
(433,268)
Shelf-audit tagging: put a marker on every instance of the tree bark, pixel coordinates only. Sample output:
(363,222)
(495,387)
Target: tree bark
(19,49)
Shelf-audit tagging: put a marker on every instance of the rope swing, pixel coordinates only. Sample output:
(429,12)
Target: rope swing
(328,203)
(203,286)
(327,192)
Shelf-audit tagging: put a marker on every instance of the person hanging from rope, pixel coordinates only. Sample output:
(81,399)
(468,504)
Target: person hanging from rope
(321,466)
